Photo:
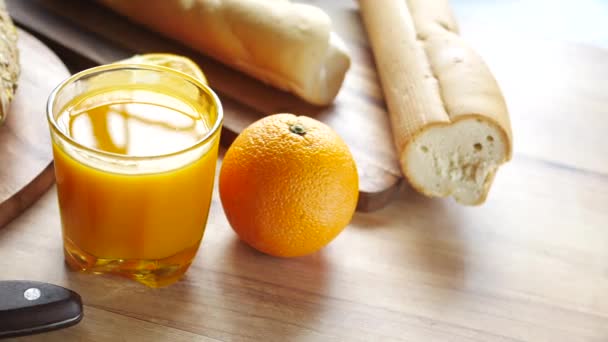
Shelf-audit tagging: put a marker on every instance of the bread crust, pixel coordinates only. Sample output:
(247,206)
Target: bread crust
(9,68)
(288,45)
(432,78)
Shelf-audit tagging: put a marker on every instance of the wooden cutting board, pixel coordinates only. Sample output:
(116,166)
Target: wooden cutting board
(89,34)
(26,171)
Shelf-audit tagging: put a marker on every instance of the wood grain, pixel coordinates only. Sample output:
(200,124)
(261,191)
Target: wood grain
(104,325)
(543,82)
(25,152)
(358,113)
(417,270)
(530,265)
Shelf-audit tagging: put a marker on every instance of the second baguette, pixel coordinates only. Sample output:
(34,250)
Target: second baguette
(450,122)
(288,45)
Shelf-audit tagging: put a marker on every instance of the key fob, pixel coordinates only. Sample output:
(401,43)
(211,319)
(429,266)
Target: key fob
(31,307)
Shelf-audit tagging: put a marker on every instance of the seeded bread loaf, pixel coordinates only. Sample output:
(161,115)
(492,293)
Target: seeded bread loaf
(9,61)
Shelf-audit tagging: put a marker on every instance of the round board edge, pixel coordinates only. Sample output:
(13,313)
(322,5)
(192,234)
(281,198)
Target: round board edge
(30,192)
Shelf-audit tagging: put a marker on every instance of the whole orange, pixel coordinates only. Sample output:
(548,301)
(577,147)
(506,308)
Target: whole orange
(288,185)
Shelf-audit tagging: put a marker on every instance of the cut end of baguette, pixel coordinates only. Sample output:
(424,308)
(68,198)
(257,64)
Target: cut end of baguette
(457,159)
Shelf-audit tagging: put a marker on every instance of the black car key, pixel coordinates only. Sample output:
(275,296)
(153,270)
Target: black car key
(31,307)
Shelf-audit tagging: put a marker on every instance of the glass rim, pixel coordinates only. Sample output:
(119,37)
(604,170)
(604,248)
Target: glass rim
(113,67)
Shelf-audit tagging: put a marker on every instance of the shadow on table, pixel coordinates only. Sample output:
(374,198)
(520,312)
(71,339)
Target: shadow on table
(427,234)
(285,295)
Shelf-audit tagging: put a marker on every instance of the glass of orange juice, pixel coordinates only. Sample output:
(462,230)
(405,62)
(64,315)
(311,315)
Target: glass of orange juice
(135,150)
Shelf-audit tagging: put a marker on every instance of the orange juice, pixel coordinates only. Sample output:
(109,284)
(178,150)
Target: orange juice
(135,168)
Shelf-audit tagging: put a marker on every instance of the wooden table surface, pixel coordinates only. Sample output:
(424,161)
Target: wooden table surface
(529,265)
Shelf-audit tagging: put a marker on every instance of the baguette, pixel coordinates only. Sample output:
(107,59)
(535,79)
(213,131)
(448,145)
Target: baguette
(9,61)
(449,119)
(287,45)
